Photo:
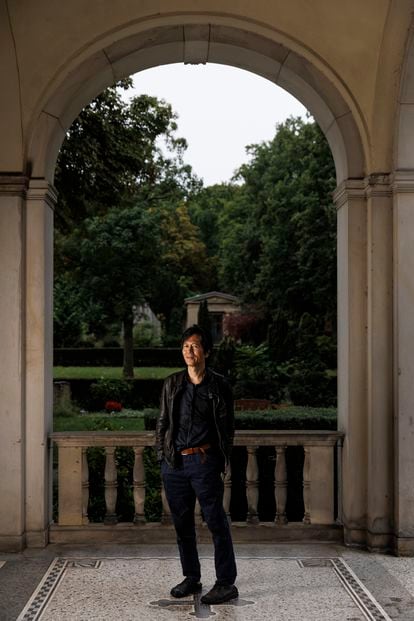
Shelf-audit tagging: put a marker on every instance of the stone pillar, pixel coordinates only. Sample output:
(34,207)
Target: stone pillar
(12,361)
(380,358)
(352,354)
(39,357)
(404,361)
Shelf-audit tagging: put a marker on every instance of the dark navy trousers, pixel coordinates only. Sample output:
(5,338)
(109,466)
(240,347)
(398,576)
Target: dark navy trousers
(199,477)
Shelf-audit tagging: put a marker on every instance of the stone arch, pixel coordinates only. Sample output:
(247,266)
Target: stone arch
(200,40)
(28,219)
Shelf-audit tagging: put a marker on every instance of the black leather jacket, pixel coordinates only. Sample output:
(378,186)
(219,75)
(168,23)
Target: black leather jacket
(223,411)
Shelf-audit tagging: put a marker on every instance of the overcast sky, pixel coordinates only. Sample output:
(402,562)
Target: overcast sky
(221,110)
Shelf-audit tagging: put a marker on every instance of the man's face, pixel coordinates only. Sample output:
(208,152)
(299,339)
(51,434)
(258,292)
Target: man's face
(193,351)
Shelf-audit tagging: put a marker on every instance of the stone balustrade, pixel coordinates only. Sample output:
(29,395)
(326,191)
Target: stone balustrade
(321,481)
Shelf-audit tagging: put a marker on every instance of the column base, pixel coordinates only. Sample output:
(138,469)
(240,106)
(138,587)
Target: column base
(403,546)
(12,543)
(380,542)
(374,542)
(355,537)
(37,539)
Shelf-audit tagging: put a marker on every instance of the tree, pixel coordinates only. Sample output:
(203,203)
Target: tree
(111,160)
(114,259)
(111,153)
(184,265)
(278,243)
(203,317)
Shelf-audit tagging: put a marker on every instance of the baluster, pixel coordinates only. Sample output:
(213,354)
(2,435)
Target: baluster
(85,487)
(166,513)
(198,518)
(227,490)
(280,485)
(111,485)
(139,485)
(306,485)
(252,485)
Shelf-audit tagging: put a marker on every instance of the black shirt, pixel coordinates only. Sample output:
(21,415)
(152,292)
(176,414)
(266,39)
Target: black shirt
(195,416)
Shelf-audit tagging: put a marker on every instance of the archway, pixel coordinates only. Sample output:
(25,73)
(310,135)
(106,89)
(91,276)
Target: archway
(285,61)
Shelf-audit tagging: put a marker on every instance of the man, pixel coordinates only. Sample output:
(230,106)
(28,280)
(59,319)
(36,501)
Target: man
(194,437)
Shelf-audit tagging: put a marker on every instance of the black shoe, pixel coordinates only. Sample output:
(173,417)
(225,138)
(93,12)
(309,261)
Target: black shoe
(186,587)
(219,594)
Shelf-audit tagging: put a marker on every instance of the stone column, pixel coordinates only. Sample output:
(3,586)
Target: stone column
(404,361)
(12,362)
(40,201)
(352,354)
(380,357)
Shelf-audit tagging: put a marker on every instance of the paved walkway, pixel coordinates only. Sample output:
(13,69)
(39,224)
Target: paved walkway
(284,582)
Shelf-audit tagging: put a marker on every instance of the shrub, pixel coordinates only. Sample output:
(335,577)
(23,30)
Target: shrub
(146,334)
(113,406)
(113,356)
(105,390)
(283,418)
(310,384)
(256,375)
(223,359)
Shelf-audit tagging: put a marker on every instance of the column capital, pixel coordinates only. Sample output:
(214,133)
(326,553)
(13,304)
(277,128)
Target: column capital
(403,181)
(378,185)
(41,189)
(374,185)
(13,184)
(349,189)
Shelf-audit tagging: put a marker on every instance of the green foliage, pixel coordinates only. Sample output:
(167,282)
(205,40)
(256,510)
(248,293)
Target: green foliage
(91,421)
(113,258)
(224,358)
(65,409)
(253,363)
(110,390)
(206,207)
(112,152)
(309,383)
(283,418)
(277,244)
(122,221)
(183,267)
(68,313)
(255,374)
(145,334)
(288,418)
(110,373)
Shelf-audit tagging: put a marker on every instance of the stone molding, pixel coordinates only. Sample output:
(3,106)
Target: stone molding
(13,185)
(378,185)
(403,182)
(30,189)
(42,190)
(350,189)
(372,186)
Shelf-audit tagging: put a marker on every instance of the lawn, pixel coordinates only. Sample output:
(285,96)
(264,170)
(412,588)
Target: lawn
(128,420)
(68,373)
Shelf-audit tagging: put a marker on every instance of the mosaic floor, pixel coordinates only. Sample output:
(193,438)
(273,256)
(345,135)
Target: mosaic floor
(126,589)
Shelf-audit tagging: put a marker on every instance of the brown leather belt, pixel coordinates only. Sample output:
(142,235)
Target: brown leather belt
(195,449)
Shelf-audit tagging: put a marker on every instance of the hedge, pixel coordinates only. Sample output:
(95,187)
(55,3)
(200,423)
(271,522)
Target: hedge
(284,418)
(113,357)
(141,393)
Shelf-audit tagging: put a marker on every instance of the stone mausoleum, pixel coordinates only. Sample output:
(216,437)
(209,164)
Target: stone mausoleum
(352,65)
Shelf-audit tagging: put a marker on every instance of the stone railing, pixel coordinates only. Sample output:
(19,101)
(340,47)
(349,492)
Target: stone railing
(321,479)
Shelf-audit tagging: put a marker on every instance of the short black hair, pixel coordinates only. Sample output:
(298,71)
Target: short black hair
(206,340)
